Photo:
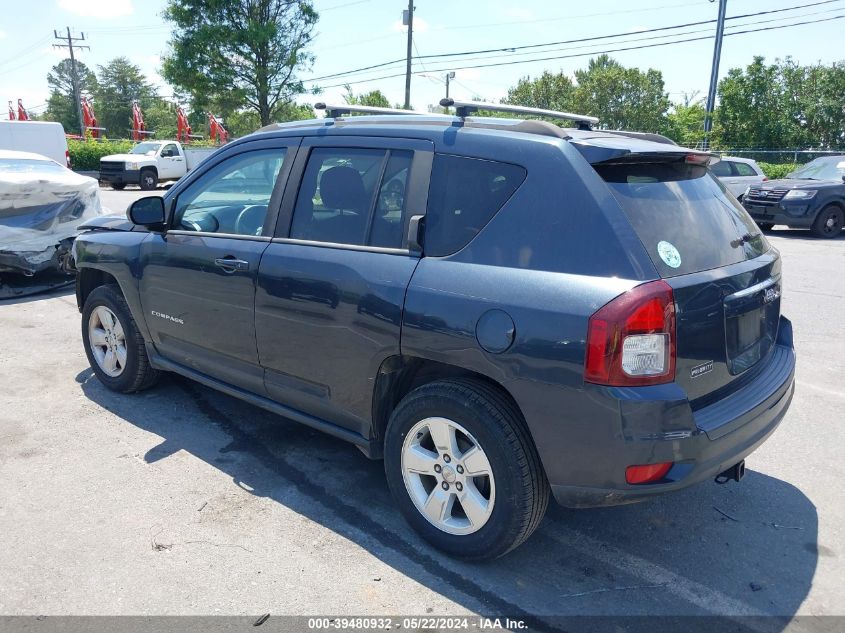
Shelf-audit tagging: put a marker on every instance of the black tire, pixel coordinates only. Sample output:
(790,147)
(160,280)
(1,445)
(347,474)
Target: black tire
(521,488)
(765,226)
(149,179)
(137,374)
(828,222)
(118,186)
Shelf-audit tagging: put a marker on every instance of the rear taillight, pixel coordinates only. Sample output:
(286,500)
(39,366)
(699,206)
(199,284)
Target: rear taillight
(67,158)
(631,340)
(765,179)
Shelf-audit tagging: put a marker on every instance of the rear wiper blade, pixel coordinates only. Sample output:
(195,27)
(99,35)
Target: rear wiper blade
(742,240)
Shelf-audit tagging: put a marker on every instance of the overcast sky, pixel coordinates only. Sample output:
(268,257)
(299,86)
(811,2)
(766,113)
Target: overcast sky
(358,33)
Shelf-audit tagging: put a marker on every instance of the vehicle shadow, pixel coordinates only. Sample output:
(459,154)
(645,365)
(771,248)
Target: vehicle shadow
(803,234)
(737,550)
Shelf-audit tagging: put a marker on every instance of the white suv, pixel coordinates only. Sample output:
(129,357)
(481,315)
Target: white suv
(737,174)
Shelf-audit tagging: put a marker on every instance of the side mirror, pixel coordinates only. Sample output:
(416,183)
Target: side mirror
(148,212)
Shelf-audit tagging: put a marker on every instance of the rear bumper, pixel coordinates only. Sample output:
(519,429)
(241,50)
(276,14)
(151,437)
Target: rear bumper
(720,435)
(123,177)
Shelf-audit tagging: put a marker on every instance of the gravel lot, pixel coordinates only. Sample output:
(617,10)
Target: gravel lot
(182,500)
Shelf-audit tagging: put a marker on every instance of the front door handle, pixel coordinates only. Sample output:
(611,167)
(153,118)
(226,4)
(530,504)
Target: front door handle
(231,264)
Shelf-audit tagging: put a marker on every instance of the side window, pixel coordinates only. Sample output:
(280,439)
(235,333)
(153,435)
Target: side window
(744,169)
(232,197)
(170,150)
(722,169)
(353,196)
(464,194)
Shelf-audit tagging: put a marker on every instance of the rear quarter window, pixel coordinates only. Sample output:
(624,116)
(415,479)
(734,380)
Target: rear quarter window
(683,216)
(464,194)
(744,169)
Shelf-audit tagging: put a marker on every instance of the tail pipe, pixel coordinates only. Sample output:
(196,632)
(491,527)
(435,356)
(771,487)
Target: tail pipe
(735,472)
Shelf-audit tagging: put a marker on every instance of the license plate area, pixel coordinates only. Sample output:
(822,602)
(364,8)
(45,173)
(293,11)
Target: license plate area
(751,323)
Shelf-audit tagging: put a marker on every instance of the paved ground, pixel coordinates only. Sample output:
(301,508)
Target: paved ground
(183,501)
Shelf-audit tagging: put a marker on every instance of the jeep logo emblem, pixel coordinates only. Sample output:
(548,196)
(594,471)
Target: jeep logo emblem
(771,294)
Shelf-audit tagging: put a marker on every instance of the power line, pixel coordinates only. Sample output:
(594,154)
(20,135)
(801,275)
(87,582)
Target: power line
(588,54)
(571,17)
(510,49)
(653,37)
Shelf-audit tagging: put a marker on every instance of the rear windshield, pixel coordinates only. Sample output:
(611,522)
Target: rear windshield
(683,216)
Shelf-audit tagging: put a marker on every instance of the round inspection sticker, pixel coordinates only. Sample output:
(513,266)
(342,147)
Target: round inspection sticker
(669,254)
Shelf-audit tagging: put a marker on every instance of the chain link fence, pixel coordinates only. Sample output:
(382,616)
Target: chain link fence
(781,156)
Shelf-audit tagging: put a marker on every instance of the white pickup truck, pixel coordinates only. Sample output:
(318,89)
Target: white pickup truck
(149,163)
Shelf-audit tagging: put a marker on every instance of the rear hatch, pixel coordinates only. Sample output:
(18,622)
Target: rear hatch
(724,274)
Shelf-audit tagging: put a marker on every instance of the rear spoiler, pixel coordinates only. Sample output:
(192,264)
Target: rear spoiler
(624,147)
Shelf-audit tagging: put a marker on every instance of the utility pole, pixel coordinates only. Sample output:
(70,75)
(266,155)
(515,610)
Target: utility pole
(449,76)
(409,21)
(714,73)
(74,77)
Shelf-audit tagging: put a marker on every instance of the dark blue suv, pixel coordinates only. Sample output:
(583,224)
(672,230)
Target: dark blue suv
(501,309)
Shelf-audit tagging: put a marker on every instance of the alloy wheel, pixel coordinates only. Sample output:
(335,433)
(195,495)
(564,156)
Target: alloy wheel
(108,341)
(448,476)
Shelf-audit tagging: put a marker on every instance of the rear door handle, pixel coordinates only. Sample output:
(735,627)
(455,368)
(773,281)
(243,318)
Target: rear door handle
(231,264)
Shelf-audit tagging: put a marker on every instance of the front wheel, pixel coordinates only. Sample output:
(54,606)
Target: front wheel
(113,344)
(463,470)
(118,186)
(828,223)
(149,179)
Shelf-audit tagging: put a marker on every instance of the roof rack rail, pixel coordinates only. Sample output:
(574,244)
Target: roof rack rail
(335,111)
(465,108)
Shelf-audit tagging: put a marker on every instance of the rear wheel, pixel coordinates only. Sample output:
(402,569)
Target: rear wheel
(828,222)
(766,226)
(118,186)
(113,344)
(463,469)
(149,179)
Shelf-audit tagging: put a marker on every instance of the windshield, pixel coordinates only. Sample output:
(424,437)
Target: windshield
(829,168)
(145,148)
(21,166)
(683,216)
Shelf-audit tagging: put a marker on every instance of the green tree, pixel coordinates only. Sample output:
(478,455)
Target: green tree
(753,108)
(61,106)
(160,117)
(684,122)
(119,83)
(548,91)
(782,105)
(245,121)
(374,98)
(231,53)
(622,98)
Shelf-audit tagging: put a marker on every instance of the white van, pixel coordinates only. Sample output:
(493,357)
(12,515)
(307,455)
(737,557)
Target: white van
(40,137)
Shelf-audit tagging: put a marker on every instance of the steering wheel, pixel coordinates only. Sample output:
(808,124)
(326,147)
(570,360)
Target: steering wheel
(250,220)
(206,223)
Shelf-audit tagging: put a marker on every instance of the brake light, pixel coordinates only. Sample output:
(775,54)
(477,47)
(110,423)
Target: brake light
(765,179)
(647,473)
(631,340)
(67,158)
(698,159)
